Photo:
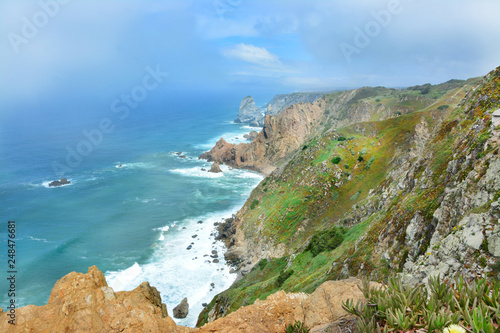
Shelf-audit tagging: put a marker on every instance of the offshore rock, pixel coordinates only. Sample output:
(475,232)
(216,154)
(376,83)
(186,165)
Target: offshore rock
(215,168)
(61,182)
(249,112)
(250,136)
(182,310)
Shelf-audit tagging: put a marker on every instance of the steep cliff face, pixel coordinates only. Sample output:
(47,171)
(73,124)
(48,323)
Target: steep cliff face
(396,171)
(281,102)
(249,113)
(280,136)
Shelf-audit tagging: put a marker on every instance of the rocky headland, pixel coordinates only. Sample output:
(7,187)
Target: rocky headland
(370,182)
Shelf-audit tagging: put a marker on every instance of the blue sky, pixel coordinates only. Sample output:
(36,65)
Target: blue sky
(97,49)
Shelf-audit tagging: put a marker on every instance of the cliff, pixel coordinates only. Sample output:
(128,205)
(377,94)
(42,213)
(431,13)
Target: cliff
(280,136)
(281,102)
(84,303)
(406,180)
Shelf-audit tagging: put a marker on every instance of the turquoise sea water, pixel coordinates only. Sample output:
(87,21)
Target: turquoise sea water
(133,205)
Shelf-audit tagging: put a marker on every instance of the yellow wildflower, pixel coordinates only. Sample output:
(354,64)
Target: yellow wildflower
(454,329)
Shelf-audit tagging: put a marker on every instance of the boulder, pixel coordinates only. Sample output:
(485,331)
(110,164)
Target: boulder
(250,136)
(61,182)
(215,168)
(182,310)
(495,118)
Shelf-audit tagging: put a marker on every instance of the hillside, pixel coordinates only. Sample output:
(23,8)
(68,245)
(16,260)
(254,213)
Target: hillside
(388,181)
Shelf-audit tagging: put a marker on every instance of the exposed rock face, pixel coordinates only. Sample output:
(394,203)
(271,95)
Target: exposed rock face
(84,303)
(281,102)
(280,136)
(249,113)
(182,310)
(250,136)
(495,118)
(215,168)
(317,310)
(61,182)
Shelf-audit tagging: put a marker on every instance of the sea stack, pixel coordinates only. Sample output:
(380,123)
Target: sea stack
(61,182)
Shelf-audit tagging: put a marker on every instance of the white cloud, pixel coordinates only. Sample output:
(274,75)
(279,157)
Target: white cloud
(252,54)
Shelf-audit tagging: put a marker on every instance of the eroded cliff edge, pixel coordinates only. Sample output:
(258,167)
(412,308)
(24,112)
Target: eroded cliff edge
(84,303)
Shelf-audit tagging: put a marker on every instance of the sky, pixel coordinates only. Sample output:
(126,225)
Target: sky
(87,50)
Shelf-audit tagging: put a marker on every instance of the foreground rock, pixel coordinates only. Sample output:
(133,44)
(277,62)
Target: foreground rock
(317,311)
(249,112)
(215,168)
(84,303)
(61,182)
(182,310)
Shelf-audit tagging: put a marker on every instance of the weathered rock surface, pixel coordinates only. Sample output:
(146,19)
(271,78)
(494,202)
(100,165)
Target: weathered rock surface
(249,113)
(250,136)
(215,168)
(182,310)
(280,136)
(84,303)
(281,102)
(61,182)
(317,310)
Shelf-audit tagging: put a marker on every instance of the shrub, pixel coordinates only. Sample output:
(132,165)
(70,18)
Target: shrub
(336,160)
(361,158)
(325,240)
(356,196)
(377,100)
(254,204)
(443,107)
(297,327)
(262,263)
(341,138)
(283,277)
(369,163)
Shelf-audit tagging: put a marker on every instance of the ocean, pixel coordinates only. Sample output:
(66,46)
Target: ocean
(139,205)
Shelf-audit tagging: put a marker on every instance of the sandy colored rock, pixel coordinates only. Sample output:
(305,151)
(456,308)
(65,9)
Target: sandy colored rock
(280,136)
(84,303)
(318,310)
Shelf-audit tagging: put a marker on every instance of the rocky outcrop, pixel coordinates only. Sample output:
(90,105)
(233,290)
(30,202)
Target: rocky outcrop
(84,303)
(215,168)
(61,182)
(280,136)
(182,309)
(250,136)
(318,311)
(249,113)
(281,102)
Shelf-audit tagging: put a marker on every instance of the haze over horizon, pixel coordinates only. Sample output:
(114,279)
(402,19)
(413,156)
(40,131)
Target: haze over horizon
(84,51)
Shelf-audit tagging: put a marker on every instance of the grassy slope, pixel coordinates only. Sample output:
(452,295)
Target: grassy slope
(313,193)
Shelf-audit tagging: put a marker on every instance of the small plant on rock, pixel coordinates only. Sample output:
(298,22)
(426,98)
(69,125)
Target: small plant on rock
(297,327)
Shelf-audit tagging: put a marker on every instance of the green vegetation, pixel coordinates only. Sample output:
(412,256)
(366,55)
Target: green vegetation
(474,305)
(254,204)
(283,277)
(297,327)
(336,160)
(443,107)
(325,240)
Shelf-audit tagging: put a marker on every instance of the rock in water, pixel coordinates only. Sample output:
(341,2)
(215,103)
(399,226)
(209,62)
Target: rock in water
(215,168)
(181,310)
(61,182)
(250,136)
(249,113)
